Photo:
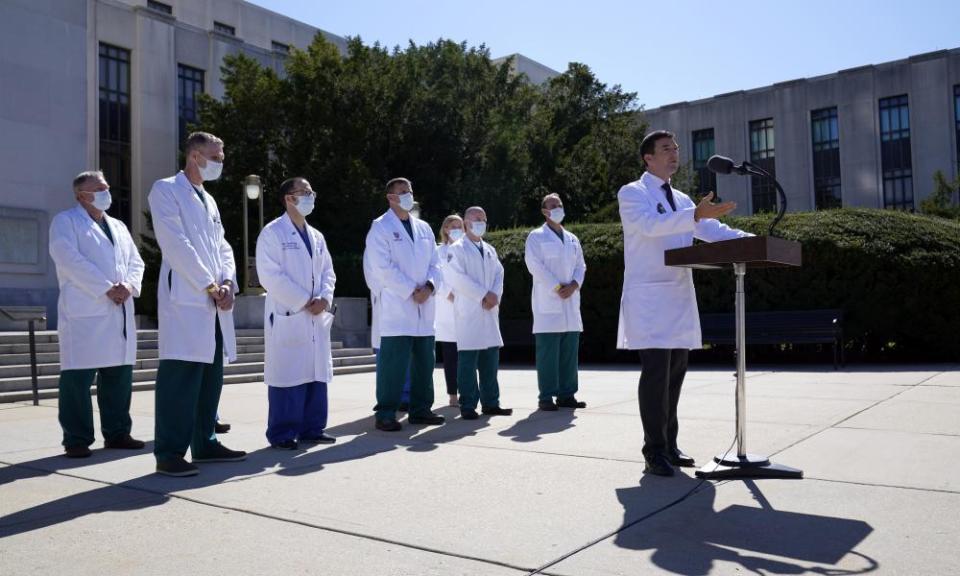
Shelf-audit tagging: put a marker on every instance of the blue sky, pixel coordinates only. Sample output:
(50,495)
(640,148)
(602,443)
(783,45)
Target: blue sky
(664,51)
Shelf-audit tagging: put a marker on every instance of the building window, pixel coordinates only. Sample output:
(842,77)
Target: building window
(160,7)
(114,128)
(280,47)
(956,119)
(826,158)
(763,191)
(895,153)
(189,85)
(224,28)
(703,148)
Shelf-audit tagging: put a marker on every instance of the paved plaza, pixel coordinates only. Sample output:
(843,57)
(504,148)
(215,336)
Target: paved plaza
(560,492)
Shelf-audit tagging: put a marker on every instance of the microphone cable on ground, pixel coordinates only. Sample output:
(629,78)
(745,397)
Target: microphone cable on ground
(634,522)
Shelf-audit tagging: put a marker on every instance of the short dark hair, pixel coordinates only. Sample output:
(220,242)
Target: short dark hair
(649,144)
(394,181)
(287,188)
(197,139)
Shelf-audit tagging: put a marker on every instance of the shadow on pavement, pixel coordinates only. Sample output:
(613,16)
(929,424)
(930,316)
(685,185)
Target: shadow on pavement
(692,538)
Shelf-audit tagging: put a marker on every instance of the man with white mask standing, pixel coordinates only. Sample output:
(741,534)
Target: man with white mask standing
(295,267)
(99,272)
(195,297)
(555,260)
(401,263)
(658,308)
(476,275)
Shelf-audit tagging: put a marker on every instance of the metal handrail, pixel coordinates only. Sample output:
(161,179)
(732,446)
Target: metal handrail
(33,348)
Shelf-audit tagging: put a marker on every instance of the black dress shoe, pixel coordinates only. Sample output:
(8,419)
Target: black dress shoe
(177,467)
(678,458)
(429,418)
(403,407)
(469,414)
(286,445)
(220,453)
(547,406)
(659,466)
(221,427)
(124,443)
(321,439)
(77,452)
(389,425)
(570,402)
(497,411)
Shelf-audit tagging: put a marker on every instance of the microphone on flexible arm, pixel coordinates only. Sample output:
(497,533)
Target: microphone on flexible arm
(723,165)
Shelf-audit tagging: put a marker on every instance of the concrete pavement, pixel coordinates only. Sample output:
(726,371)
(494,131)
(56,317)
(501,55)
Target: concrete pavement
(562,491)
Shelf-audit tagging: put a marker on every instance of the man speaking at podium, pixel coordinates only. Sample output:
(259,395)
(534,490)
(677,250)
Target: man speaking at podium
(658,308)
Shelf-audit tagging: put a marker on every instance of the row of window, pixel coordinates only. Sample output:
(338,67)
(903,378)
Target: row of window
(115,120)
(895,156)
(218,27)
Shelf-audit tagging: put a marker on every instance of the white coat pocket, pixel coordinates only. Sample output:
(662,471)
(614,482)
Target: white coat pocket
(79,304)
(184,294)
(547,300)
(292,330)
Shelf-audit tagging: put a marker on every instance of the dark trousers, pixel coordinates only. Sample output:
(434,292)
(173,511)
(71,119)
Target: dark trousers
(400,355)
(296,412)
(661,377)
(113,399)
(449,352)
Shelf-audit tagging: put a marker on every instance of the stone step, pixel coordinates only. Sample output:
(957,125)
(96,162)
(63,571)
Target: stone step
(50,336)
(49,363)
(47,393)
(14,378)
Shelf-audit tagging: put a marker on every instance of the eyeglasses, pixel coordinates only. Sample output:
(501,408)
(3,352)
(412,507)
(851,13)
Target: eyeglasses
(302,193)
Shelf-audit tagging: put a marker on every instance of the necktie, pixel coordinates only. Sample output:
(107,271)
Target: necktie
(669,192)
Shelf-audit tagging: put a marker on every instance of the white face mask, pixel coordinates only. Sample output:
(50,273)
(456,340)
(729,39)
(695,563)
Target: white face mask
(305,204)
(102,200)
(211,171)
(455,234)
(557,215)
(406,201)
(478,228)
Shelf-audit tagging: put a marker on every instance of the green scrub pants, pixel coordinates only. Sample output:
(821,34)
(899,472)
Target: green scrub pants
(486,362)
(113,398)
(397,354)
(557,364)
(187,396)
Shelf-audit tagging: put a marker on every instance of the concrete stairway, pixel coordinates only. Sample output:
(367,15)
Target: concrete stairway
(15,380)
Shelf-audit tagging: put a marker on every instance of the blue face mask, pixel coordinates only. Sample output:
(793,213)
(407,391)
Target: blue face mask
(406,201)
(305,204)
(478,228)
(455,234)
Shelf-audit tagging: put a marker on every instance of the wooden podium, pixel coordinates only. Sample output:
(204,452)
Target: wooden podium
(740,254)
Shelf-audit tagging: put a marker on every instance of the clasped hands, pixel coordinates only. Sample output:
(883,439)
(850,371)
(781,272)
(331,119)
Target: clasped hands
(565,291)
(118,293)
(222,296)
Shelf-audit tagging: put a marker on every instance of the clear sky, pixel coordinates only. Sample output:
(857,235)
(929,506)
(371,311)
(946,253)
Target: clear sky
(664,51)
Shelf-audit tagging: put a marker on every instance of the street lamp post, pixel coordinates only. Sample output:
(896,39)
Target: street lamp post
(252,190)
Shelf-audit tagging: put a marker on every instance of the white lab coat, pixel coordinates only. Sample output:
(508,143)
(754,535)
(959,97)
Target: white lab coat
(552,262)
(297,342)
(374,287)
(471,277)
(446,313)
(90,325)
(195,254)
(397,265)
(658,308)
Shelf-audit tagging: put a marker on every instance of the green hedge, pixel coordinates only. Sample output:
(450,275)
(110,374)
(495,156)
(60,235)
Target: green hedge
(895,275)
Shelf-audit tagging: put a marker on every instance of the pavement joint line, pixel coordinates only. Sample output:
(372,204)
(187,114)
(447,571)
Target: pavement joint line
(891,486)
(855,414)
(864,428)
(266,516)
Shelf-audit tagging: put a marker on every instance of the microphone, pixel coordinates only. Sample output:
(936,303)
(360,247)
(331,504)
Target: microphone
(723,165)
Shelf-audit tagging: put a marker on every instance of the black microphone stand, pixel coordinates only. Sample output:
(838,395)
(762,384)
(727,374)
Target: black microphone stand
(755,170)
